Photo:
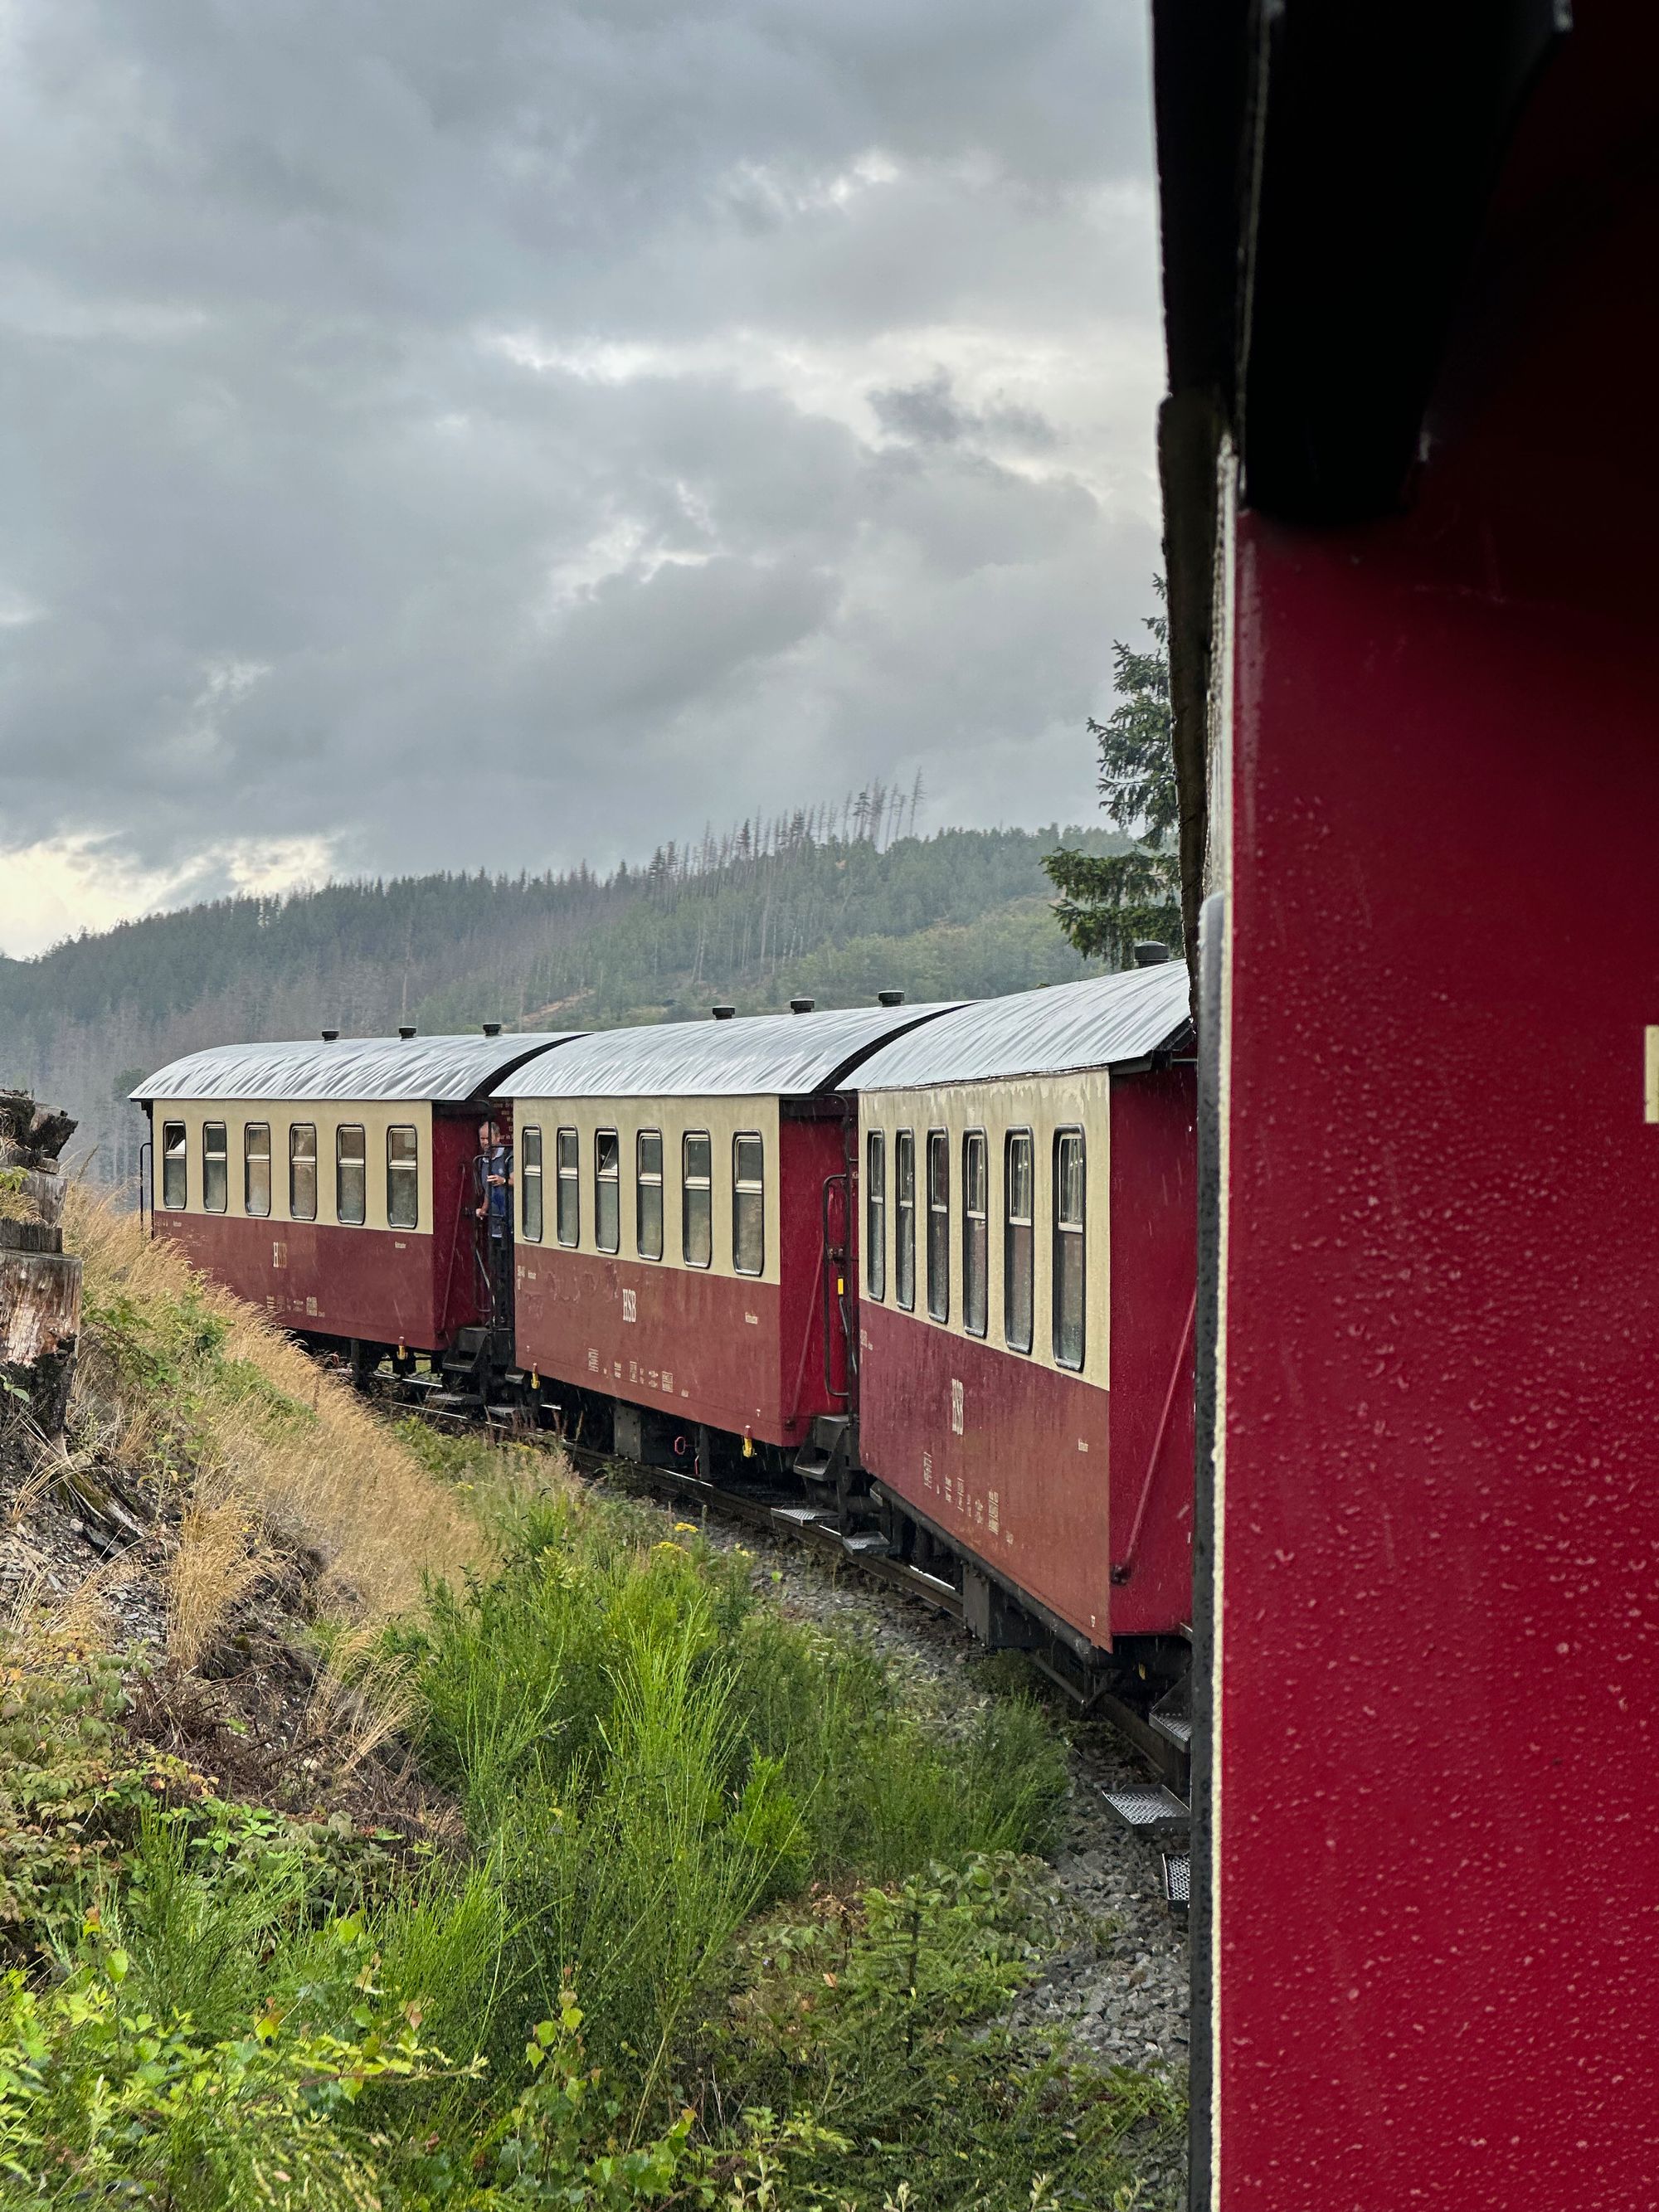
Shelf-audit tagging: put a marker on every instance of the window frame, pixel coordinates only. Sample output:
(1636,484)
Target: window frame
(175,1154)
(530,1173)
(298,1159)
(567,1177)
(875,1215)
(607,1179)
(904,1221)
(343,1160)
(704,1183)
(939,1226)
(744,1188)
(975,1257)
(647,1179)
(219,1159)
(1012,1223)
(250,1160)
(1060,1229)
(410,1168)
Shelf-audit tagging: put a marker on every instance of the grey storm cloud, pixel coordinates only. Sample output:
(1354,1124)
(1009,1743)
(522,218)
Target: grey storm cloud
(491,434)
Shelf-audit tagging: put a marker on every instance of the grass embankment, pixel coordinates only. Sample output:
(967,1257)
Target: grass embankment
(660,1898)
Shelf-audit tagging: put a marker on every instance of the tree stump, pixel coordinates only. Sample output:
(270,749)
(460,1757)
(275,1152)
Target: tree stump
(40,1283)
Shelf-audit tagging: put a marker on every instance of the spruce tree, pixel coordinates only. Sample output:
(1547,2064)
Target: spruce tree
(1108,901)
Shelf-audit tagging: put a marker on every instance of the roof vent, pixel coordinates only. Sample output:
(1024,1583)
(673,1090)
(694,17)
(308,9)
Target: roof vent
(890,998)
(1151,953)
(490,1028)
(802,1005)
(722,1013)
(329,1035)
(405,1031)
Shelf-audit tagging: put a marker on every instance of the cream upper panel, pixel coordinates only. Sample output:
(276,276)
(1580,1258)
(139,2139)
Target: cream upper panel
(722,1120)
(1045,1106)
(375,1120)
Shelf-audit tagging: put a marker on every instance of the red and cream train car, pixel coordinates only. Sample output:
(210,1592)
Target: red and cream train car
(683,1222)
(332,1183)
(1025,1325)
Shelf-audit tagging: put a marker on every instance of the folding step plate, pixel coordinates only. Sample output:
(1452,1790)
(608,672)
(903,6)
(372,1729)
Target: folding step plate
(1149,1808)
(1175,1727)
(1177,1881)
(796,1517)
(872,1541)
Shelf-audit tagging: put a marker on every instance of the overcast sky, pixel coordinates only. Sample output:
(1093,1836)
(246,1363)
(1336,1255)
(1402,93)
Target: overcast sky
(447,433)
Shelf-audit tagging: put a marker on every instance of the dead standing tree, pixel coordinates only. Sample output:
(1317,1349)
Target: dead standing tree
(40,1283)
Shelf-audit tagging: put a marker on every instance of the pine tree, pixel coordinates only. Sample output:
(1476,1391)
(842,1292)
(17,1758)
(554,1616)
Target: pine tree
(1108,902)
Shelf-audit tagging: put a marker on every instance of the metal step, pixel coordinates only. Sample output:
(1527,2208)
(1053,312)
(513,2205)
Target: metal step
(1177,1727)
(798,1517)
(1177,1881)
(869,1540)
(455,1401)
(1149,1808)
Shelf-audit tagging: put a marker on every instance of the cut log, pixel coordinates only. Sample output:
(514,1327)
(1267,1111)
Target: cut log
(40,1304)
(29,1236)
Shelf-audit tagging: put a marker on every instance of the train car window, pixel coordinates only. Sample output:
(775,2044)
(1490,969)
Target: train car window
(568,1173)
(256,1169)
(975,1232)
(1018,1191)
(175,1166)
(697,1198)
(904,1220)
(938,1225)
(530,1185)
(647,1194)
(402,1179)
(1068,1248)
(607,1190)
(302,1171)
(350,1175)
(875,1214)
(748,1205)
(215,1169)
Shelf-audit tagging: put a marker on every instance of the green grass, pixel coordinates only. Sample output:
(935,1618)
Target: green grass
(737,1923)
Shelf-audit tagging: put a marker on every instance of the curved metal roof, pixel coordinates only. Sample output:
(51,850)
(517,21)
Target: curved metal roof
(1100,1023)
(439,1068)
(779,1056)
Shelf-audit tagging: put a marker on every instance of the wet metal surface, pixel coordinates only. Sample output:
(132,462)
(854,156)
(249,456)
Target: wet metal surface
(1102,1022)
(441,1068)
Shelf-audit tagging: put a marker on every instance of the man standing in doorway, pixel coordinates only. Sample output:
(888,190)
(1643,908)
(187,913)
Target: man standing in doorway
(495,1209)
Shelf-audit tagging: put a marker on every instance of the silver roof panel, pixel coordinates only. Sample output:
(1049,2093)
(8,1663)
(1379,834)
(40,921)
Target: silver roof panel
(442,1069)
(778,1055)
(1100,1023)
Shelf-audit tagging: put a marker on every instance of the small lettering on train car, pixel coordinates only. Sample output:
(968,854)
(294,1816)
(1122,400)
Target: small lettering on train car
(667,1381)
(927,1470)
(991,1501)
(631,1305)
(278,1252)
(311,1307)
(955,1407)
(399,1245)
(753,1319)
(1083,1443)
(593,1363)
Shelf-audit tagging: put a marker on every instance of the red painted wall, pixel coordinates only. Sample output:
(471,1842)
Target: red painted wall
(1440,1625)
(1154,1255)
(741,1355)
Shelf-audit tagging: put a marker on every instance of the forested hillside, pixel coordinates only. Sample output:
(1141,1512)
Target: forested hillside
(830,903)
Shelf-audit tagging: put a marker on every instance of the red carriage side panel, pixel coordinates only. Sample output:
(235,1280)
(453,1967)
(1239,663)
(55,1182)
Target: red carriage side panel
(702,1346)
(372,1283)
(1438,1615)
(1154,1253)
(1006,1456)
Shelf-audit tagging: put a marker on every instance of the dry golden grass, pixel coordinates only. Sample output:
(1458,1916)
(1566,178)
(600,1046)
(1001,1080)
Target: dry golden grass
(361,1698)
(213,1566)
(334,1476)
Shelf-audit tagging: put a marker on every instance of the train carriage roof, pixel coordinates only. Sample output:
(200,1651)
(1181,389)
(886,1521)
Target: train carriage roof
(441,1069)
(763,1055)
(1104,1021)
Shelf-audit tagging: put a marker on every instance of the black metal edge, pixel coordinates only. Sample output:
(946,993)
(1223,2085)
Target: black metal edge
(1201,2152)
